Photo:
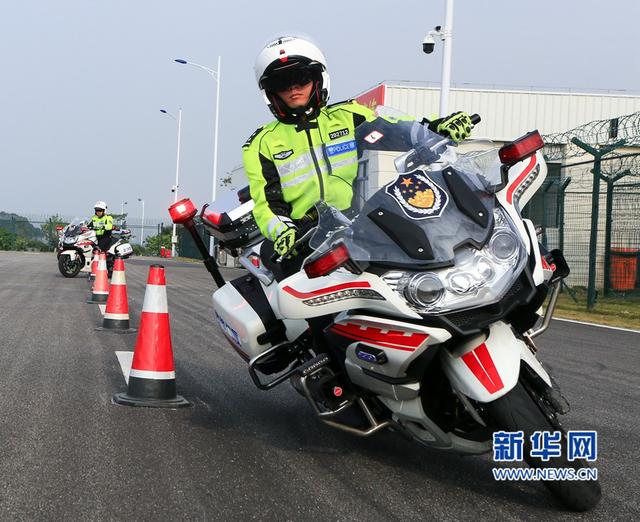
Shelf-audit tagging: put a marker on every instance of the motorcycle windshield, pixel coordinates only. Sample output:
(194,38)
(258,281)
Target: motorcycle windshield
(74,228)
(440,199)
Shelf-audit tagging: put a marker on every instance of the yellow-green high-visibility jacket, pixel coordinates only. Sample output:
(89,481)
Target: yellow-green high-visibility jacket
(290,167)
(101,225)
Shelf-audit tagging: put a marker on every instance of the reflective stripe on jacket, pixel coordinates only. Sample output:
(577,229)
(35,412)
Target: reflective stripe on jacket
(291,167)
(102,225)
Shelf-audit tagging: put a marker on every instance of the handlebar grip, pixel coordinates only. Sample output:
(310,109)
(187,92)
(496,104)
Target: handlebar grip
(475,119)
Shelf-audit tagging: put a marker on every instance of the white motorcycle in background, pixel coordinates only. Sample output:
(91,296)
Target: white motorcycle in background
(77,243)
(430,298)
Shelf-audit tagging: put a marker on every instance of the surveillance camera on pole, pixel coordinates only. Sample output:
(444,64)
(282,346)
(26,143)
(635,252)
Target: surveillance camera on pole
(428,44)
(445,34)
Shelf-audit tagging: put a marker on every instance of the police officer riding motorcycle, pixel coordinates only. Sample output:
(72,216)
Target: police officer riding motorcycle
(292,162)
(102,224)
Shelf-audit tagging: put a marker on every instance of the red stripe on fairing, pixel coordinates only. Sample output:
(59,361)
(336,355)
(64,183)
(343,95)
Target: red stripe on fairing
(153,350)
(328,290)
(481,365)
(391,339)
(512,188)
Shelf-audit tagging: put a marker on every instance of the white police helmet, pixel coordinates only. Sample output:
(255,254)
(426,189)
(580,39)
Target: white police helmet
(288,60)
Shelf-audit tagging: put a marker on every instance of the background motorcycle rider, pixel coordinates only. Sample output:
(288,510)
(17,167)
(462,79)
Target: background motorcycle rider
(102,223)
(308,153)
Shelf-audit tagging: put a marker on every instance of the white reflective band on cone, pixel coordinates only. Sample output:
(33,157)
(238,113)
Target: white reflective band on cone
(117,317)
(145,374)
(155,299)
(118,278)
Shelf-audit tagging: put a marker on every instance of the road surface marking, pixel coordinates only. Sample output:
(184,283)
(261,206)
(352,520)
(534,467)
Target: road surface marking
(598,325)
(125,359)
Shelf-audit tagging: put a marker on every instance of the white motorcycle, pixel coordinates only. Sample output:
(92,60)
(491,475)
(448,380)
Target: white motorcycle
(77,243)
(430,301)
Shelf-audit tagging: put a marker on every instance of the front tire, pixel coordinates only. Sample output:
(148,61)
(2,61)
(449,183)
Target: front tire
(69,267)
(518,410)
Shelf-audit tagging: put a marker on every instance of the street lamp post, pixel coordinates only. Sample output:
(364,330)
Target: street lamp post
(446,35)
(122,208)
(142,225)
(215,74)
(174,236)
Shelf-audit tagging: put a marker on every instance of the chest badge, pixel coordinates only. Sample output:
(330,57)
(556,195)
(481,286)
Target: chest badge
(283,155)
(419,196)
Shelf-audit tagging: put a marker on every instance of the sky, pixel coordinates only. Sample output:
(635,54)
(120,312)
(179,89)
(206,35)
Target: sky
(83,81)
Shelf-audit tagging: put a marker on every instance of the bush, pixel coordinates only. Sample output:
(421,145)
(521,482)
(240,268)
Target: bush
(139,250)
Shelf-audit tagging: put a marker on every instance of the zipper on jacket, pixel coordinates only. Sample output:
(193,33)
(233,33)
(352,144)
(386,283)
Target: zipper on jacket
(315,162)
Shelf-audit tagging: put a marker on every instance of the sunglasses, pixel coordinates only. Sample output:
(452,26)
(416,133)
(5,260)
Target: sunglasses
(283,80)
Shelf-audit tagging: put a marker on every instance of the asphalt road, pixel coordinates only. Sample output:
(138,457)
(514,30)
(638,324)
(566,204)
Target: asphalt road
(239,453)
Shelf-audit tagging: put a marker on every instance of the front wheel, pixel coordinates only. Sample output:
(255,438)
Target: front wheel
(70,267)
(518,411)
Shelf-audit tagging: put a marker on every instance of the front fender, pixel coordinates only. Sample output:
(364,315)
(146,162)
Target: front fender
(487,367)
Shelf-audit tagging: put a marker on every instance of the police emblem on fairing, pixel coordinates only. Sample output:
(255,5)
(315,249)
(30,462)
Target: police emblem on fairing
(419,196)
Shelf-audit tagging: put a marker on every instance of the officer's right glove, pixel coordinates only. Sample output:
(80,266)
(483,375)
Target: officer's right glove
(285,240)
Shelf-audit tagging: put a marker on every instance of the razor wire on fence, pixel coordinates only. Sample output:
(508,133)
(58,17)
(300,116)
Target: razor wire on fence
(589,205)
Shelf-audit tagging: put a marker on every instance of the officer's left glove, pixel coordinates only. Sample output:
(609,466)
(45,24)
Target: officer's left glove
(283,243)
(456,126)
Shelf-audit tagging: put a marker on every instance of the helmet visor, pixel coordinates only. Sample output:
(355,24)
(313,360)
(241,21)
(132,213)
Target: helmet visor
(282,79)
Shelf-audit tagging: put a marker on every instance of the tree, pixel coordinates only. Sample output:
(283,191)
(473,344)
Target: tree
(153,243)
(7,240)
(50,232)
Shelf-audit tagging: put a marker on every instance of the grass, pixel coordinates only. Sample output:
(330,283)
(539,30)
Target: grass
(615,310)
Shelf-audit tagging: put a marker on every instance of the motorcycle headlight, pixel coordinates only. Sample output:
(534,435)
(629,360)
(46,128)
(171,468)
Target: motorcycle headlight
(70,240)
(477,278)
(424,289)
(504,245)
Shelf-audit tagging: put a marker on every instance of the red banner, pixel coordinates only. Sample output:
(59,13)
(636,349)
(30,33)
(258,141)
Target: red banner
(373,97)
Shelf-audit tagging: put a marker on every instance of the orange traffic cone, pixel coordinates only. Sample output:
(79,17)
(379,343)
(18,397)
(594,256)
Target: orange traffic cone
(116,315)
(152,379)
(94,265)
(100,289)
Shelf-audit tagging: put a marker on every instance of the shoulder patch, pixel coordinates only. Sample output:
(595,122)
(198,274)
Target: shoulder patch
(252,137)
